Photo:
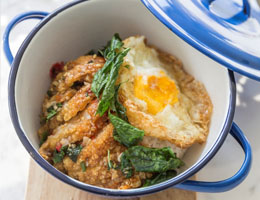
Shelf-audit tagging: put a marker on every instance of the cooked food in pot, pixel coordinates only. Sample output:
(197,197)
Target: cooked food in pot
(122,118)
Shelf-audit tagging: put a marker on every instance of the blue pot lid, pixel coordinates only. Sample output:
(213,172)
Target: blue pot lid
(228,31)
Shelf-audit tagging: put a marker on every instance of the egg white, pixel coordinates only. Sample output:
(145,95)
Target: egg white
(176,123)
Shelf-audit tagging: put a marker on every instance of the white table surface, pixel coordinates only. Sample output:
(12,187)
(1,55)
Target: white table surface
(15,160)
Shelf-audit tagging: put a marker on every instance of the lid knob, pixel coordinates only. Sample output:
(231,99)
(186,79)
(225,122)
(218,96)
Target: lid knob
(228,31)
(232,11)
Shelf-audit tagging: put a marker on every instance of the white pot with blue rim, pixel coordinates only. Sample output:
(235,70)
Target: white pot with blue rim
(204,38)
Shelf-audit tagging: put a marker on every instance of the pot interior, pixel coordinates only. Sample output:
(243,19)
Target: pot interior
(89,25)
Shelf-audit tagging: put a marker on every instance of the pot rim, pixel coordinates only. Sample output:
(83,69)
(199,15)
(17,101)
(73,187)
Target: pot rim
(90,188)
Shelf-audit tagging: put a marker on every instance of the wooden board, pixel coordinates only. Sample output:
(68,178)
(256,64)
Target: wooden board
(42,186)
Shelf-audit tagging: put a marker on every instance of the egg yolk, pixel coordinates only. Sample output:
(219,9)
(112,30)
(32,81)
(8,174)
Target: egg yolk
(156,91)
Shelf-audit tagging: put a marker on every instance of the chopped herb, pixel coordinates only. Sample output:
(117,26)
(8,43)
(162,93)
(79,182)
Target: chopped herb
(158,178)
(83,166)
(73,152)
(58,156)
(124,132)
(44,137)
(86,94)
(58,147)
(52,111)
(146,159)
(126,166)
(111,164)
(127,66)
(77,85)
(59,105)
(49,93)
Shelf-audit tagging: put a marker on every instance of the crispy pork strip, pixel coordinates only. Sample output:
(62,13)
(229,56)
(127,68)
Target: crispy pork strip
(94,156)
(77,103)
(86,124)
(82,69)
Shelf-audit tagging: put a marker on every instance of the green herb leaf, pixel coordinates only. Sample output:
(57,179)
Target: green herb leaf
(83,166)
(158,178)
(106,77)
(119,108)
(59,105)
(44,137)
(50,109)
(114,44)
(58,156)
(86,94)
(110,163)
(125,133)
(109,53)
(49,93)
(146,159)
(73,152)
(126,166)
(109,89)
(51,114)
(100,79)
(117,137)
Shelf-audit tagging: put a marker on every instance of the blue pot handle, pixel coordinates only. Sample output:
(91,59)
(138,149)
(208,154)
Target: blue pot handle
(17,19)
(230,183)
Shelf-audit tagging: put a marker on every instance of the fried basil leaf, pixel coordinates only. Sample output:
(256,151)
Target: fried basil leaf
(109,53)
(109,89)
(58,156)
(146,159)
(126,166)
(73,152)
(114,44)
(119,108)
(124,132)
(158,178)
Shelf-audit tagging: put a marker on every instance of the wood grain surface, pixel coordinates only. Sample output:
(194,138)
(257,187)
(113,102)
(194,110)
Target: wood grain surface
(43,186)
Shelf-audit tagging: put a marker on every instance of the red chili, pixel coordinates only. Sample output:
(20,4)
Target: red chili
(55,69)
(89,91)
(93,137)
(58,147)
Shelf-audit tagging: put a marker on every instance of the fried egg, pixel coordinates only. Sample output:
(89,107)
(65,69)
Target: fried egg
(161,98)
